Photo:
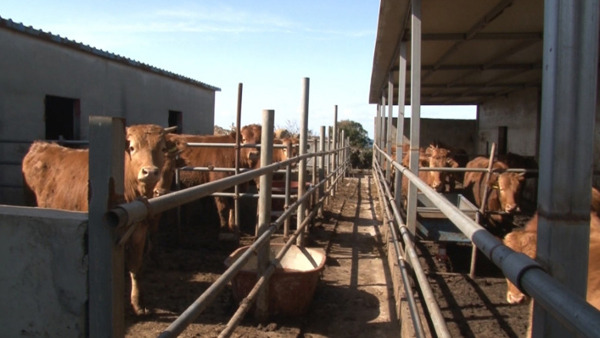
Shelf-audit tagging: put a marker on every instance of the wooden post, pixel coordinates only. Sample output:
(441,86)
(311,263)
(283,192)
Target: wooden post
(106,260)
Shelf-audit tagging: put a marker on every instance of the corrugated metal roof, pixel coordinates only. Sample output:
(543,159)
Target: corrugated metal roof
(46,36)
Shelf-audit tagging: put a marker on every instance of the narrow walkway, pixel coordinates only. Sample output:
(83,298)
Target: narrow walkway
(353,298)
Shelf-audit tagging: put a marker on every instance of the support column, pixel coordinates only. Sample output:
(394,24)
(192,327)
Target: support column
(566,141)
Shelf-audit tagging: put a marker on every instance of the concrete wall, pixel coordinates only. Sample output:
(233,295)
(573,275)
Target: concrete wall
(519,112)
(454,133)
(44,273)
(33,67)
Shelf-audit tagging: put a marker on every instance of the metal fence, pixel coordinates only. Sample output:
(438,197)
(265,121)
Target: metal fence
(106,288)
(572,311)
(127,215)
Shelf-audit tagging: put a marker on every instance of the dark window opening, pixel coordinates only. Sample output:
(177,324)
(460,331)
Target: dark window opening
(176,120)
(62,117)
(502,140)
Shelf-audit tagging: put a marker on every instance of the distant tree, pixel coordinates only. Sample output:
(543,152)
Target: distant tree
(360,155)
(220,131)
(355,133)
(292,127)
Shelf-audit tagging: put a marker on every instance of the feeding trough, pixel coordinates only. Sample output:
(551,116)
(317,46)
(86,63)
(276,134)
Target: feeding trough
(434,225)
(292,285)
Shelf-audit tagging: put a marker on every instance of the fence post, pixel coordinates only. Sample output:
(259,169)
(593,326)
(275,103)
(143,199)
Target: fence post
(106,260)
(264,211)
(321,168)
(342,157)
(288,183)
(238,121)
(315,197)
(328,162)
(335,146)
(302,165)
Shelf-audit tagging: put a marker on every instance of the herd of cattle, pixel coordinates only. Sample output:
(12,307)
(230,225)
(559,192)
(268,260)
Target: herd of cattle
(150,159)
(152,154)
(500,192)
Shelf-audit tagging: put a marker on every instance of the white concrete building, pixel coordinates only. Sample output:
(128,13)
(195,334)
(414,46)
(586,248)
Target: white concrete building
(50,86)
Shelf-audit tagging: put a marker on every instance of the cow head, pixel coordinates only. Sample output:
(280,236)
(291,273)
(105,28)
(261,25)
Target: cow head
(508,186)
(146,153)
(438,158)
(175,144)
(289,141)
(250,135)
(525,242)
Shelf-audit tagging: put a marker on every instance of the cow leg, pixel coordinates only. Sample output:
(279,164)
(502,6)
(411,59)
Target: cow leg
(134,259)
(228,230)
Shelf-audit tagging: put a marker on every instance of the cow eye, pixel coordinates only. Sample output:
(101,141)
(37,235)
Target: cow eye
(131,149)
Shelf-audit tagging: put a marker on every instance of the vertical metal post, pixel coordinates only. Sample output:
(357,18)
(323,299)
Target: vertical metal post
(382,132)
(328,161)
(288,191)
(321,167)
(302,165)
(388,168)
(570,68)
(264,211)
(377,132)
(342,152)
(400,123)
(236,200)
(106,258)
(415,103)
(335,147)
(315,197)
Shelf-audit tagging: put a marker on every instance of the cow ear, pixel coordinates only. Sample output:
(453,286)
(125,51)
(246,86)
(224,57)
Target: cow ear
(175,144)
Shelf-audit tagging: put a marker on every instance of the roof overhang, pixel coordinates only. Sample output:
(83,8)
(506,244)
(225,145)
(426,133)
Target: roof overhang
(471,51)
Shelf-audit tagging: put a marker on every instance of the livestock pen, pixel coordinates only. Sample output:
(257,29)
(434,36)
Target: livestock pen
(103,249)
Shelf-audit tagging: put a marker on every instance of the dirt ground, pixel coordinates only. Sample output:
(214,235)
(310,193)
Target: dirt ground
(353,297)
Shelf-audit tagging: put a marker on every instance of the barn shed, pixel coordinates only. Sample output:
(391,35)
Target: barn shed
(486,53)
(531,68)
(50,85)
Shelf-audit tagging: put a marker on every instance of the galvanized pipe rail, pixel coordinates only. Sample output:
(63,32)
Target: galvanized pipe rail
(571,310)
(400,253)
(432,306)
(194,310)
(247,302)
(129,214)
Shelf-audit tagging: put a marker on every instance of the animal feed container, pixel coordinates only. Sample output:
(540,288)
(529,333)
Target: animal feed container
(433,225)
(292,285)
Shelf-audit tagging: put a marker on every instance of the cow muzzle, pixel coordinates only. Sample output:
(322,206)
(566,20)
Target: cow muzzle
(254,156)
(148,174)
(511,208)
(514,298)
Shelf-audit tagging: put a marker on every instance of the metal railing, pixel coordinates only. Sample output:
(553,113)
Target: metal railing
(571,310)
(127,215)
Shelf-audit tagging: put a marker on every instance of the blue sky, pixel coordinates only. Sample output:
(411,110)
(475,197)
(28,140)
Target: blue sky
(269,46)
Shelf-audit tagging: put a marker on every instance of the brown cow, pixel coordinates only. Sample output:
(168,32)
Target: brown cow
(280,154)
(433,156)
(58,177)
(503,190)
(216,157)
(525,241)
